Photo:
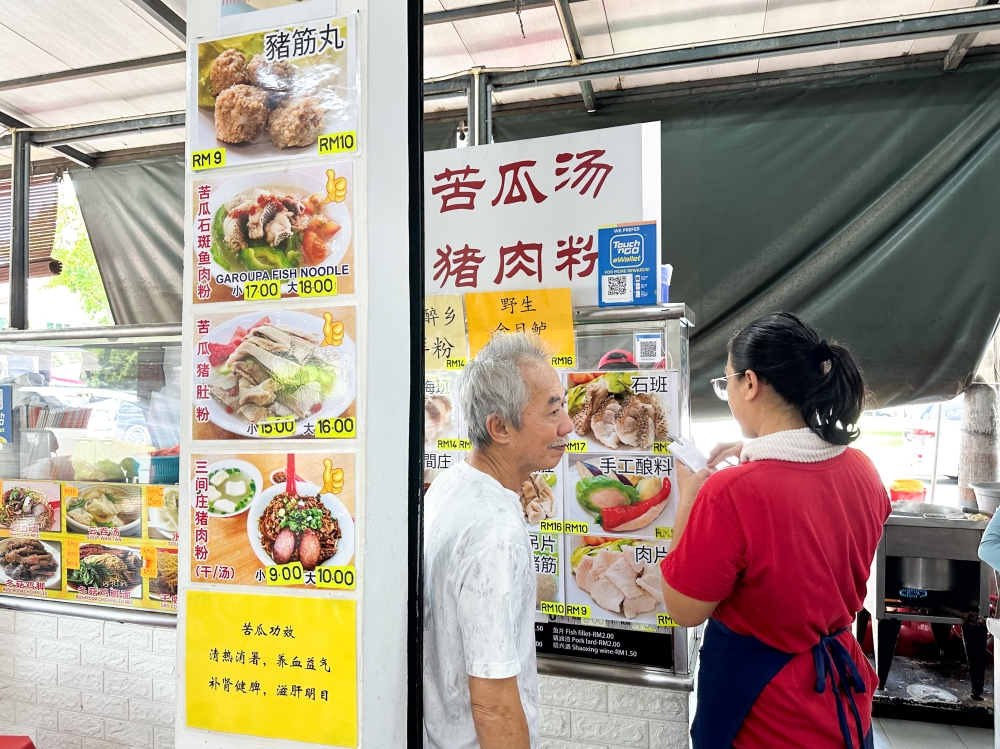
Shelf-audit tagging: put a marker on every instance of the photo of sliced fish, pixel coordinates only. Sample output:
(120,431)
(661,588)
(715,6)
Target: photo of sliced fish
(609,411)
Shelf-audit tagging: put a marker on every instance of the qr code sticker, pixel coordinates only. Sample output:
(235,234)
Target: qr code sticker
(617,288)
(648,347)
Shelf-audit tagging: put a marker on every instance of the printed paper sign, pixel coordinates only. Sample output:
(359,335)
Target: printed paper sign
(547,313)
(629,264)
(445,344)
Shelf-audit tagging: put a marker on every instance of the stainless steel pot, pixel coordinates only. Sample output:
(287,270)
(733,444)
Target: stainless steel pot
(928,574)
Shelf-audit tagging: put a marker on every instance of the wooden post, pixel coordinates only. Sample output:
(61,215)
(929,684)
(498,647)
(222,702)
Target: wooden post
(979,451)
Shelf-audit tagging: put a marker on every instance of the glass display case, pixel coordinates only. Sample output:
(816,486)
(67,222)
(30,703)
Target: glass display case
(89,463)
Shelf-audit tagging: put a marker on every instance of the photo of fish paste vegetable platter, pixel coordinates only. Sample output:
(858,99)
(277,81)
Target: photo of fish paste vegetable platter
(92,509)
(273,94)
(286,226)
(29,507)
(618,578)
(618,494)
(290,366)
(623,411)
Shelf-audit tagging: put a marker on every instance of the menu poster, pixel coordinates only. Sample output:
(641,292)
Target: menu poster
(445,343)
(28,508)
(443,427)
(271,235)
(281,667)
(246,15)
(103,512)
(547,313)
(621,495)
(251,525)
(272,374)
(542,499)
(435,462)
(284,93)
(549,590)
(623,411)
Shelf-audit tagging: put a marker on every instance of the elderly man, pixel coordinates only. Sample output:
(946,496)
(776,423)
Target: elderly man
(480,683)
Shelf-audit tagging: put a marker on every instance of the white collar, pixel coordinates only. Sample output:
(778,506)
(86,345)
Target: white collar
(794,445)
(484,478)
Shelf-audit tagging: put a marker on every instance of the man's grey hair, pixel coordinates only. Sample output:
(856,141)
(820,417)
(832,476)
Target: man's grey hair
(492,383)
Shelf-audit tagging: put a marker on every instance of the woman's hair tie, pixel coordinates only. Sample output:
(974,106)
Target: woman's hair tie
(821,352)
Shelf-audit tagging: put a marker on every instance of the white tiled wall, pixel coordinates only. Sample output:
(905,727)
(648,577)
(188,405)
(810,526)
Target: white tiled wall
(580,714)
(74,683)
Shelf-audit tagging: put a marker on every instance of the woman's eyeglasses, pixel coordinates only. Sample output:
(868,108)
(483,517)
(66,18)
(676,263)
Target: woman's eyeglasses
(719,385)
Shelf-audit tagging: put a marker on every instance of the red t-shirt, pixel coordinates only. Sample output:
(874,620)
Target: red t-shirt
(787,549)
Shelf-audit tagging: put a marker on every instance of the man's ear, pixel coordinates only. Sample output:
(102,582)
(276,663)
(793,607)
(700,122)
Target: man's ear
(498,429)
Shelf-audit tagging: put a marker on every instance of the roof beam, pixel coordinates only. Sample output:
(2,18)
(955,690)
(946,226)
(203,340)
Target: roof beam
(158,12)
(575,47)
(956,53)
(59,135)
(93,71)
(487,9)
(750,48)
(68,152)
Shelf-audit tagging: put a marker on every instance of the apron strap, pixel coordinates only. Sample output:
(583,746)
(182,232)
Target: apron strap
(833,660)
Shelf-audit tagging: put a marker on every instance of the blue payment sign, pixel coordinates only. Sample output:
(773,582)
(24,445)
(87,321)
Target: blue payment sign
(627,264)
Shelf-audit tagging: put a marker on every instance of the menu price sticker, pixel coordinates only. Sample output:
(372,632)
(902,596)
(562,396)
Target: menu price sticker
(576,446)
(552,608)
(211,158)
(574,528)
(340,428)
(154,496)
(148,561)
(661,448)
(71,554)
(551,526)
(664,532)
(285,574)
(577,611)
(311,288)
(70,492)
(454,443)
(664,620)
(336,578)
(277,426)
(459,363)
(261,290)
(337,143)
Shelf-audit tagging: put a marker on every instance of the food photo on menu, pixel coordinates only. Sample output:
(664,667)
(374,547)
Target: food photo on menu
(441,417)
(30,507)
(252,512)
(541,497)
(621,494)
(618,578)
(30,565)
(162,588)
(273,94)
(546,551)
(292,226)
(162,522)
(273,374)
(622,411)
(103,511)
(107,573)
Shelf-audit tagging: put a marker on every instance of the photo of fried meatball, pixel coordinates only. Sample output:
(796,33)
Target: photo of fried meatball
(271,76)
(240,114)
(296,122)
(228,70)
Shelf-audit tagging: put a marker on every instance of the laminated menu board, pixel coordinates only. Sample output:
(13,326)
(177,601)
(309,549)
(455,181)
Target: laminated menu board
(276,373)
(251,525)
(550,592)
(443,427)
(274,234)
(446,345)
(283,93)
(90,542)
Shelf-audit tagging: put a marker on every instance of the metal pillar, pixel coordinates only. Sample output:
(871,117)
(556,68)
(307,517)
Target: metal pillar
(480,109)
(19,223)
(575,48)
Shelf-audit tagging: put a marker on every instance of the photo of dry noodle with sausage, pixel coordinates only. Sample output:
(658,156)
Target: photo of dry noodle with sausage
(296,528)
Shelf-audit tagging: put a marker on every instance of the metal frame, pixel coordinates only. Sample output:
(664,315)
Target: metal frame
(122,66)
(487,9)
(158,12)
(90,611)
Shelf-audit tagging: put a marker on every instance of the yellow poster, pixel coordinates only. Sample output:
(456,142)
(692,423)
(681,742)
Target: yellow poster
(548,313)
(445,344)
(278,667)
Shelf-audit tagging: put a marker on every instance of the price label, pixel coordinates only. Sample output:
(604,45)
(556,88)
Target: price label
(154,496)
(71,554)
(148,561)
(453,443)
(551,526)
(664,532)
(259,290)
(576,529)
(70,492)
(277,426)
(335,578)
(211,158)
(661,448)
(458,363)
(337,143)
(284,574)
(552,608)
(563,361)
(664,620)
(578,612)
(318,286)
(576,446)
(343,427)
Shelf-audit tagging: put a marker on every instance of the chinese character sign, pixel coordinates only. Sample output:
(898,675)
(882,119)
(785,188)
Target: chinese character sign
(445,344)
(547,313)
(525,214)
(267,666)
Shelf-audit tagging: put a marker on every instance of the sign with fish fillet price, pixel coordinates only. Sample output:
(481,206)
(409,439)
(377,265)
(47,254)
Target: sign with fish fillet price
(547,313)
(603,644)
(267,666)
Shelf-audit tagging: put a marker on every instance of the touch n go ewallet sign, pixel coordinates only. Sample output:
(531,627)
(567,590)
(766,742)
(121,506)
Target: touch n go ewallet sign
(628,264)
(525,214)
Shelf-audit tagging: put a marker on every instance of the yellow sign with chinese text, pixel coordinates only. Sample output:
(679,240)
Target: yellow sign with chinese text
(548,313)
(275,666)
(445,344)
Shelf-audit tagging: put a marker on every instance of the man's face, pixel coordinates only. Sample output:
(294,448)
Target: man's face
(541,440)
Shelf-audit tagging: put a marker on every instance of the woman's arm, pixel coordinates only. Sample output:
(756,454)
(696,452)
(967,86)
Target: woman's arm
(989,547)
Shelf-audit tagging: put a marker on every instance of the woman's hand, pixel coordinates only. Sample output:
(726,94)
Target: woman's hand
(689,484)
(723,452)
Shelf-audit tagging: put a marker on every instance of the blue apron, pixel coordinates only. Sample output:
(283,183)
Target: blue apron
(735,669)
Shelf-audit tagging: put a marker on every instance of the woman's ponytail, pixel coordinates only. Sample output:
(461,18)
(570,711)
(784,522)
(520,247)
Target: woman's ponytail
(821,379)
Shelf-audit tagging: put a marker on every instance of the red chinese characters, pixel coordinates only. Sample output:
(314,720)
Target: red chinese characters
(203,241)
(573,253)
(458,191)
(589,169)
(462,265)
(200,550)
(521,258)
(517,170)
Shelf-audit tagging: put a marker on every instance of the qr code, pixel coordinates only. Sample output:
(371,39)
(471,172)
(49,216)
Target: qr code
(617,288)
(649,349)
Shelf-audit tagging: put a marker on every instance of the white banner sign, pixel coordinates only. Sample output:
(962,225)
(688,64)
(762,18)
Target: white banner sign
(524,214)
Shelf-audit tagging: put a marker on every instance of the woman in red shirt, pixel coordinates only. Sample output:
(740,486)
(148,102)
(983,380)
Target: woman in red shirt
(777,551)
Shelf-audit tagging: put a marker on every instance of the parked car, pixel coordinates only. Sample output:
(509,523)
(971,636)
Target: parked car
(919,434)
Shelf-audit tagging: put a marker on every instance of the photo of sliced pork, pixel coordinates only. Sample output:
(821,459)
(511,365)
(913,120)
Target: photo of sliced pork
(618,582)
